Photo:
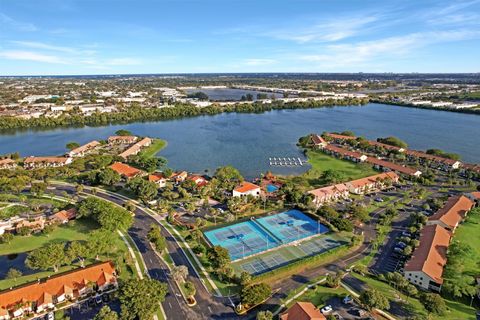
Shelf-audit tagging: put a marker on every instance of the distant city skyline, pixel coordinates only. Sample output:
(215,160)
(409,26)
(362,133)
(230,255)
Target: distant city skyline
(73,37)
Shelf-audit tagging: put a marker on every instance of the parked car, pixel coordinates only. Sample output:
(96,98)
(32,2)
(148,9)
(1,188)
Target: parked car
(326,310)
(398,250)
(401,245)
(378,199)
(406,234)
(347,299)
(50,316)
(91,302)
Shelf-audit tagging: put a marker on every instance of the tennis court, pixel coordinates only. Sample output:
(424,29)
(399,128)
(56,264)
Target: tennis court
(242,239)
(291,225)
(257,235)
(282,256)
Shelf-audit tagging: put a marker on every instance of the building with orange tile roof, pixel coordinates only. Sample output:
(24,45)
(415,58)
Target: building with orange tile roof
(158,178)
(385,146)
(246,188)
(44,162)
(125,170)
(136,148)
(35,225)
(372,183)
(83,150)
(433,160)
(390,166)
(199,180)
(46,293)
(62,217)
(318,141)
(329,194)
(7,164)
(122,139)
(302,311)
(179,176)
(452,213)
(339,137)
(360,186)
(345,153)
(425,267)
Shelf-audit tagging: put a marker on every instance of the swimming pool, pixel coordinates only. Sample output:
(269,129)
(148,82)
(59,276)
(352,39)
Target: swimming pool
(271,188)
(256,235)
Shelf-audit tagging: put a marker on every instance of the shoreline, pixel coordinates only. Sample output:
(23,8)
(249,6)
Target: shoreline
(408,105)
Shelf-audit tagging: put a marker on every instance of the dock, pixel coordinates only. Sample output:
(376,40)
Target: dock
(286,161)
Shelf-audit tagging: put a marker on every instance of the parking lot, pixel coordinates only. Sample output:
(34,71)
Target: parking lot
(346,310)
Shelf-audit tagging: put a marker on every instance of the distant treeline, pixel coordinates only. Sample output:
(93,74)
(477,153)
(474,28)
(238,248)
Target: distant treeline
(465,110)
(139,114)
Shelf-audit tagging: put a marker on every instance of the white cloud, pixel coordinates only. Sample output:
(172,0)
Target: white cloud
(15,24)
(327,31)
(43,46)
(392,47)
(31,56)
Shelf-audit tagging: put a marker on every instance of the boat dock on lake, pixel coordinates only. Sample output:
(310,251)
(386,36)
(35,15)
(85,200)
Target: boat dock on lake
(286,162)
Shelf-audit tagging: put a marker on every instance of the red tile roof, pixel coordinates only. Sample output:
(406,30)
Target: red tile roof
(431,255)
(343,151)
(453,211)
(46,160)
(302,311)
(64,215)
(7,161)
(125,170)
(56,285)
(135,149)
(374,179)
(340,136)
(154,177)
(392,166)
(476,195)
(122,139)
(85,147)
(316,139)
(424,155)
(245,187)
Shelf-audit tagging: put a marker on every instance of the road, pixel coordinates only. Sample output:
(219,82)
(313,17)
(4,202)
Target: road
(208,307)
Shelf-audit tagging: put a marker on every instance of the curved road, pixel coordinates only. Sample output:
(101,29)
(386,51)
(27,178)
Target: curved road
(208,306)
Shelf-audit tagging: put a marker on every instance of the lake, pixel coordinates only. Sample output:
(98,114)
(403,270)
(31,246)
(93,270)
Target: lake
(246,141)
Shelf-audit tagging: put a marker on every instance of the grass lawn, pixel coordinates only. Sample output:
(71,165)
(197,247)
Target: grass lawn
(154,148)
(455,311)
(320,294)
(469,232)
(75,231)
(10,211)
(321,162)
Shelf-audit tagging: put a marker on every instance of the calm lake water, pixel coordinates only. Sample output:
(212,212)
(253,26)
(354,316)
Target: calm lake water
(246,141)
(222,94)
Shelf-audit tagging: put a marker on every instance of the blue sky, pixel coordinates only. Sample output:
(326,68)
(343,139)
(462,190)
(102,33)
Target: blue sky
(170,36)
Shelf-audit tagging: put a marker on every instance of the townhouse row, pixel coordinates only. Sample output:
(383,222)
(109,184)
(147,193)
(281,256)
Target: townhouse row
(425,267)
(43,295)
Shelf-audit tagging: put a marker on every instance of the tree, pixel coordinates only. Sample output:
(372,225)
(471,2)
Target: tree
(179,273)
(265,315)
(145,190)
(100,241)
(360,213)
(218,257)
(78,250)
(393,141)
(6,237)
(108,215)
(123,132)
(331,177)
(434,303)
(228,177)
(328,213)
(255,293)
(13,274)
(372,298)
(49,256)
(155,236)
(140,298)
(109,177)
(245,278)
(72,145)
(190,289)
(106,313)
(38,189)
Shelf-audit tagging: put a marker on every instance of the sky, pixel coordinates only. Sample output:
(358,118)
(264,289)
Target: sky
(74,37)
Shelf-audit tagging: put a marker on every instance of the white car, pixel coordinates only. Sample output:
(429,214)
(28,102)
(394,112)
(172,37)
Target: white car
(50,316)
(326,310)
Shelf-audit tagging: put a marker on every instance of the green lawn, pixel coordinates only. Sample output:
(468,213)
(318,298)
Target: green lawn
(154,148)
(10,211)
(321,162)
(455,311)
(320,294)
(469,232)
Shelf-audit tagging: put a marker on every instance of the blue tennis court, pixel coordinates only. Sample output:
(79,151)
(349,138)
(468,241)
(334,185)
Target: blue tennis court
(257,235)
(242,239)
(292,225)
